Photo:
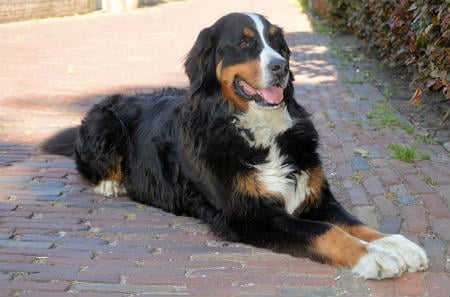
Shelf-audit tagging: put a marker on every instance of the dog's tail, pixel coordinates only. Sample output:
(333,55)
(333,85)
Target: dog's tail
(62,143)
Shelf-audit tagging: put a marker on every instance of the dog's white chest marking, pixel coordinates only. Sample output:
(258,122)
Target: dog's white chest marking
(275,175)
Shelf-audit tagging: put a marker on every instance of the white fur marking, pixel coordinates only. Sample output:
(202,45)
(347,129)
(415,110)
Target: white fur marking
(265,123)
(110,188)
(379,263)
(275,176)
(301,192)
(267,53)
(414,256)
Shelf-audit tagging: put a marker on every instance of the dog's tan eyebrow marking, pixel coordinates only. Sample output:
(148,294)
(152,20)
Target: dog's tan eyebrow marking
(273,30)
(248,32)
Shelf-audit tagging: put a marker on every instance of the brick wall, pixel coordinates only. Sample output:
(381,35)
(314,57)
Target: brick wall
(18,10)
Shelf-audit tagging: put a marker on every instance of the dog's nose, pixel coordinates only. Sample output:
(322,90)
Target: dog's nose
(279,67)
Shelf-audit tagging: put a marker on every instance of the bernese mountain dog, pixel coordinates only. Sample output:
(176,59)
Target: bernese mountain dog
(236,151)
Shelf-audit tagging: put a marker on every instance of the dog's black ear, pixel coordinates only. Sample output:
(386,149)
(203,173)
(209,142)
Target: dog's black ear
(200,63)
(279,42)
(289,91)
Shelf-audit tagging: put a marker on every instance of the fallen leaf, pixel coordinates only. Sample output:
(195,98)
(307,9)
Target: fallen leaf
(416,98)
(362,152)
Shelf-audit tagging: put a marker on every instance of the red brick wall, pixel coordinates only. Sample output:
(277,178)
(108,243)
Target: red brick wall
(17,10)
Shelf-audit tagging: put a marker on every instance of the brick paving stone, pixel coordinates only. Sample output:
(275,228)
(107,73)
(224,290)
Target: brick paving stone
(308,291)
(417,184)
(331,141)
(373,186)
(58,238)
(125,288)
(338,156)
(232,291)
(360,163)
(386,206)
(47,252)
(350,284)
(374,152)
(58,275)
(285,280)
(78,294)
(402,167)
(436,174)
(25,244)
(367,215)
(438,284)
(416,218)
(410,284)
(225,279)
(444,191)
(436,206)
(358,196)
(364,139)
(390,225)
(382,288)
(435,250)
(344,170)
(349,146)
(296,266)
(440,226)
(23,285)
(402,193)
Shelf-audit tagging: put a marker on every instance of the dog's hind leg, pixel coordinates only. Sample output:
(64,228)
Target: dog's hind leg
(101,144)
(110,188)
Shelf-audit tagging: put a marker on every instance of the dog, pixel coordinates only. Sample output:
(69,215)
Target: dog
(234,150)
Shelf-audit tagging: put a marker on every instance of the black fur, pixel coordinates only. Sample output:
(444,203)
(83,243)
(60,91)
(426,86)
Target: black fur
(180,151)
(63,144)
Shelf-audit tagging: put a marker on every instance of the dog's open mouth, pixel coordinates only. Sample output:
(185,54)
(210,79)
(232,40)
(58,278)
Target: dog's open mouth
(271,96)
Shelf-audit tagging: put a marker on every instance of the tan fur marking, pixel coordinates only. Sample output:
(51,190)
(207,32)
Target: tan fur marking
(273,30)
(249,32)
(363,232)
(116,172)
(250,72)
(248,184)
(315,181)
(219,70)
(339,247)
(230,95)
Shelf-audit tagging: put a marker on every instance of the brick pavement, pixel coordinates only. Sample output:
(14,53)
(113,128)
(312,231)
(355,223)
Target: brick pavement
(58,238)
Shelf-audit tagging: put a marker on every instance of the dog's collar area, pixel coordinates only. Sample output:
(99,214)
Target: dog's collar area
(269,97)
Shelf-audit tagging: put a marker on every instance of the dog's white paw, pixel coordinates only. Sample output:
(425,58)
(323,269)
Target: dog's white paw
(110,188)
(379,263)
(414,256)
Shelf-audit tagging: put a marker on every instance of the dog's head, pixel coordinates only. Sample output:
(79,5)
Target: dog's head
(245,57)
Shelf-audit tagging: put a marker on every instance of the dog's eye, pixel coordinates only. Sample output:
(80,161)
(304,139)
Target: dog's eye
(244,43)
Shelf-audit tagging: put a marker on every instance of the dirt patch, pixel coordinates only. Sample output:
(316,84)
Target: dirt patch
(394,84)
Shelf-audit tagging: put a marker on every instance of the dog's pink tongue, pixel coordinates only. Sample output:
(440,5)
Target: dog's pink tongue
(273,95)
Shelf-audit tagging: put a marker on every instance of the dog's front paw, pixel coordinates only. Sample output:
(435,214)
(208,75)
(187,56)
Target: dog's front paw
(379,263)
(414,256)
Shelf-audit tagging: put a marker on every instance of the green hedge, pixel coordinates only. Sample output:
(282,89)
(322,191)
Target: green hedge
(412,33)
